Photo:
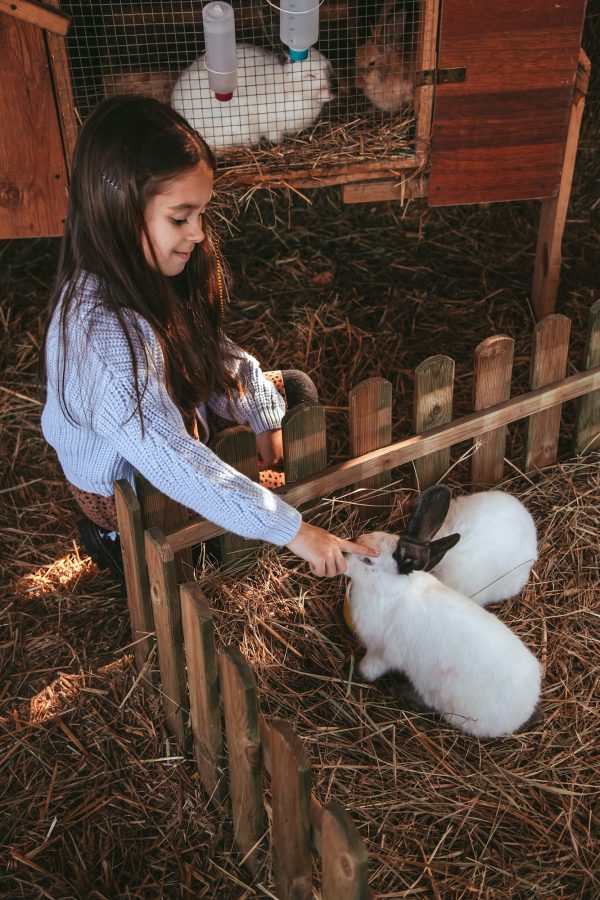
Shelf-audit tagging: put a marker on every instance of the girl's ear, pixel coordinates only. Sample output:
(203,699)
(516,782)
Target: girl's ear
(438,549)
(428,513)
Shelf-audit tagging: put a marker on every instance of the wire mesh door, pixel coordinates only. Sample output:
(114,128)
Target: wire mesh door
(356,104)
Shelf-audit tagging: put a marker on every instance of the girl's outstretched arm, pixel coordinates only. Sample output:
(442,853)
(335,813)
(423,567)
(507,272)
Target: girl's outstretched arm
(324,551)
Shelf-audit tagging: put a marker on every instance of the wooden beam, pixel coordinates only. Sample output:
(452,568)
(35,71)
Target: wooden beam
(38,14)
(463,429)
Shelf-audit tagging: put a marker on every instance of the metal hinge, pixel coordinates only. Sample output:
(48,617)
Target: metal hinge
(441,76)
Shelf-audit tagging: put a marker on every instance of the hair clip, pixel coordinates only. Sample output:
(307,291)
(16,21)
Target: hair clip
(110,182)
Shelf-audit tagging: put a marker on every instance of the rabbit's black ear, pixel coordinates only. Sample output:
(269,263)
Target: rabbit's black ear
(411,556)
(428,513)
(439,548)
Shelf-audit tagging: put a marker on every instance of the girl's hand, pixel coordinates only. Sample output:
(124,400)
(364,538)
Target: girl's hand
(270,449)
(323,551)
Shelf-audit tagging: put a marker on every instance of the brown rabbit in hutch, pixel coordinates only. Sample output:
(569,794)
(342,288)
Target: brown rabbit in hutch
(384,63)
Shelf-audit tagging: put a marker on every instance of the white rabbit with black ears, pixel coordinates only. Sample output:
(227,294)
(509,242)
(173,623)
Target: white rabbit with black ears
(497,547)
(272,98)
(463,662)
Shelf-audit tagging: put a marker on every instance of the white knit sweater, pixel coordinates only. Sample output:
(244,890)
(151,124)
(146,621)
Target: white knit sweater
(107,443)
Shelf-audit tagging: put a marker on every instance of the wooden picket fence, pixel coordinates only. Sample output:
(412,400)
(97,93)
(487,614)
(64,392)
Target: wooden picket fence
(196,677)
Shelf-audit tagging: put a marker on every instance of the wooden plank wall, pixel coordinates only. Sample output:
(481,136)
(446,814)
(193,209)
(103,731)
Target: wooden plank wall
(33,175)
(501,134)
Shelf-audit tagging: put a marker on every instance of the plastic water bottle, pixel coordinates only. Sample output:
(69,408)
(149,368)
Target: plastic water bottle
(219,37)
(299,26)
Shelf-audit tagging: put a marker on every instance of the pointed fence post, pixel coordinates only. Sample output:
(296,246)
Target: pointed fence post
(238,689)
(370,421)
(491,385)
(167,621)
(304,442)
(131,534)
(159,511)
(205,712)
(587,429)
(237,446)
(549,359)
(434,386)
(345,857)
(290,786)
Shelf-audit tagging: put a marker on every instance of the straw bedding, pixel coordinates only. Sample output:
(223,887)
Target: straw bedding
(96,800)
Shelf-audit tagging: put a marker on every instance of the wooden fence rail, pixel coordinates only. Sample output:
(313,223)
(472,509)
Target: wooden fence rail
(197,678)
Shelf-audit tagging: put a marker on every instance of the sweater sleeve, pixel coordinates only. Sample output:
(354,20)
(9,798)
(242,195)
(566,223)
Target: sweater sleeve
(260,406)
(181,467)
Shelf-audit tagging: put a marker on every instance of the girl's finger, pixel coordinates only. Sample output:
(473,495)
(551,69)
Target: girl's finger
(351,547)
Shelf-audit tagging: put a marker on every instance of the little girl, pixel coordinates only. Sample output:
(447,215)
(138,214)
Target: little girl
(134,352)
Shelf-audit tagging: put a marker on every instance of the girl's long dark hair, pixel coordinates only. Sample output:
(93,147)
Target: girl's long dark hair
(128,148)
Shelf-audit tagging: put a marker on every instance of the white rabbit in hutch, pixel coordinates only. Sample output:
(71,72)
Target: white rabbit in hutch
(462,661)
(272,98)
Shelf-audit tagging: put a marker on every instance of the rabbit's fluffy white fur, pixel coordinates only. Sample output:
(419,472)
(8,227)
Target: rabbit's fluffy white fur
(497,547)
(463,661)
(272,98)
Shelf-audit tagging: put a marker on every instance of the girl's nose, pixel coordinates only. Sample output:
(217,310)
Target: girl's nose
(196,233)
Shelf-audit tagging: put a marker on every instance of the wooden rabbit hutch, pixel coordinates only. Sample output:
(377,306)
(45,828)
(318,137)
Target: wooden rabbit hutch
(456,101)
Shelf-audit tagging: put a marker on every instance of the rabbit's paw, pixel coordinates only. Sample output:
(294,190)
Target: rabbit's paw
(372,667)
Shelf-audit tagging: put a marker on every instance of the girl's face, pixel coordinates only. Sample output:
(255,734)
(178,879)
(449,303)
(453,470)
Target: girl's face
(174,219)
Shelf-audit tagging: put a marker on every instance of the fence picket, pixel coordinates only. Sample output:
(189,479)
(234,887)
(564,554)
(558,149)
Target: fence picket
(491,384)
(345,857)
(291,796)
(549,357)
(169,638)
(238,689)
(237,446)
(159,511)
(205,714)
(587,431)
(370,421)
(129,517)
(434,385)
(304,441)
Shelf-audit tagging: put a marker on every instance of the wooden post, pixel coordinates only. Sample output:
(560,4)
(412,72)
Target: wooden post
(238,689)
(548,365)
(587,433)
(491,384)
(290,785)
(129,518)
(370,422)
(345,857)
(159,511)
(426,59)
(205,714)
(434,383)
(554,210)
(237,446)
(304,441)
(167,620)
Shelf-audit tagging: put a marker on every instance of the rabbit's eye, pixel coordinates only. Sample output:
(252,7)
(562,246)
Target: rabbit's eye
(367,561)
(371,63)
(312,77)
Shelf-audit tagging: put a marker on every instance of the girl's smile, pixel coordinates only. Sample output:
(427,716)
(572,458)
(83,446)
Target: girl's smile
(174,219)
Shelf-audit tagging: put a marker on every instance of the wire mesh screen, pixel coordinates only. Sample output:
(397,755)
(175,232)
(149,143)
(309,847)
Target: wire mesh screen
(354,100)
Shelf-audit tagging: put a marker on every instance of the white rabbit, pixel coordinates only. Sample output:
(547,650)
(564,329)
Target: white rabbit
(497,548)
(463,662)
(272,98)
